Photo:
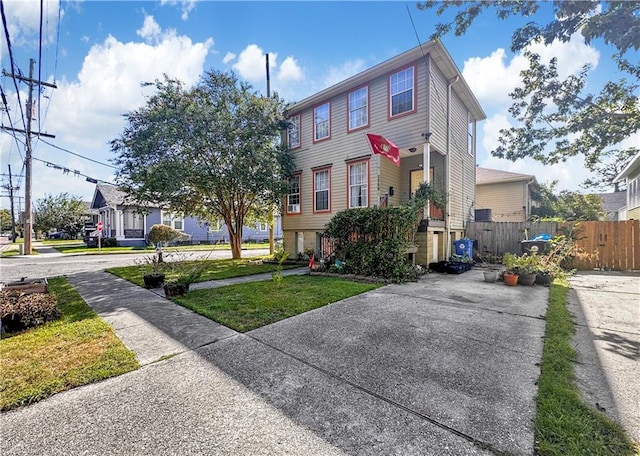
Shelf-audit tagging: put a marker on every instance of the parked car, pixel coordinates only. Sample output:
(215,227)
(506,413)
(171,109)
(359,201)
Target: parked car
(60,235)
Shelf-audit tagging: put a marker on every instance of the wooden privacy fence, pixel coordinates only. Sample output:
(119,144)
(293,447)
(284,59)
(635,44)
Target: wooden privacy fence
(603,245)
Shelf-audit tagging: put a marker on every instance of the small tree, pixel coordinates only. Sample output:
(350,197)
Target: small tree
(163,234)
(62,213)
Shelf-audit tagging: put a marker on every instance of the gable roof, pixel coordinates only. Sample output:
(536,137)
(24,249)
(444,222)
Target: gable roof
(612,202)
(628,170)
(486,176)
(111,195)
(440,57)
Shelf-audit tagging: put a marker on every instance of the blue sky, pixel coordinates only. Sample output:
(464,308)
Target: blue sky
(100,52)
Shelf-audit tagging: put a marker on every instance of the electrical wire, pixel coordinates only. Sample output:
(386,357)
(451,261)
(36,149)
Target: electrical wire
(77,155)
(15,137)
(13,65)
(55,65)
(39,65)
(75,172)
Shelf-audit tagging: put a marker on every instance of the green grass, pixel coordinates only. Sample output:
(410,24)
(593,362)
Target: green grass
(77,349)
(82,248)
(248,306)
(214,270)
(565,424)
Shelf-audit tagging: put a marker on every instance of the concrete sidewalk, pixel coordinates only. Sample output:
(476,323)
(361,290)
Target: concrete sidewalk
(607,341)
(447,365)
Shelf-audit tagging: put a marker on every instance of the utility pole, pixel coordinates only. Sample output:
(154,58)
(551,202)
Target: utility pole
(28,159)
(271,208)
(13,212)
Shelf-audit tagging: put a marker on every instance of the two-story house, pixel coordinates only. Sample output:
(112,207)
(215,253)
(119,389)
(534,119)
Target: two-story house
(630,176)
(419,102)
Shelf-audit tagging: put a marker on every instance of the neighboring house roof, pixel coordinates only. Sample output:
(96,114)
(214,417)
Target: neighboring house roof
(631,169)
(495,176)
(613,202)
(111,195)
(440,57)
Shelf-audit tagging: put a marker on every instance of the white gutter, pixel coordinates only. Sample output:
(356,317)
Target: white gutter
(447,165)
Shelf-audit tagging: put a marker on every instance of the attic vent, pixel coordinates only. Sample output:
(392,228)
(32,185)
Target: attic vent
(483,215)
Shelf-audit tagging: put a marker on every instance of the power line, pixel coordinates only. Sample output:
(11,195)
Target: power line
(13,65)
(40,61)
(77,155)
(6,105)
(75,172)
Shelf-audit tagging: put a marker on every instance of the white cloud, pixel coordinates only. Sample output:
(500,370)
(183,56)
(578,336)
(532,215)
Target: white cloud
(185,5)
(228,57)
(23,20)
(251,63)
(493,77)
(289,70)
(150,30)
(345,71)
(86,113)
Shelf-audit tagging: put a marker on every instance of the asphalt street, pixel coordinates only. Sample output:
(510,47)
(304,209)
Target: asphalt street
(50,263)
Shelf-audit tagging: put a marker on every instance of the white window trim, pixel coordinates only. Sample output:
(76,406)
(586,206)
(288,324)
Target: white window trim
(413,92)
(366,183)
(328,190)
(298,144)
(365,107)
(315,123)
(174,217)
(296,207)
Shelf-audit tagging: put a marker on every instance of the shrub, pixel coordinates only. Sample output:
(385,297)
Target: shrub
(163,234)
(110,242)
(20,311)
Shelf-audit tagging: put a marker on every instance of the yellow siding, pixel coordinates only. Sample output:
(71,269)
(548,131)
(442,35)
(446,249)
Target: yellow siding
(506,201)
(633,214)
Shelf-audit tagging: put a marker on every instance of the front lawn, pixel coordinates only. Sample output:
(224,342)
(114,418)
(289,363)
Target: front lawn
(213,270)
(77,349)
(248,306)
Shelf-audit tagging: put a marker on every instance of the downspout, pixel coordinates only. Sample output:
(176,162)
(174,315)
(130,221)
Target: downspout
(426,150)
(447,164)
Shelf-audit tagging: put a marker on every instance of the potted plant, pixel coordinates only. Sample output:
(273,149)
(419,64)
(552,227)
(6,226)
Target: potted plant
(155,279)
(184,273)
(526,267)
(510,274)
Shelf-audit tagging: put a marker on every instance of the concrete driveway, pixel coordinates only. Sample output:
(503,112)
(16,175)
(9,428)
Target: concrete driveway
(447,365)
(607,310)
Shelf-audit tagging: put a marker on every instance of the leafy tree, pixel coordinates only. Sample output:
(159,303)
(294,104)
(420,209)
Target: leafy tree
(62,213)
(556,119)
(608,169)
(566,205)
(5,220)
(211,151)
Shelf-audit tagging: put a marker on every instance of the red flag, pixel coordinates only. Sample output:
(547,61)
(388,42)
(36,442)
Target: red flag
(311,261)
(381,145)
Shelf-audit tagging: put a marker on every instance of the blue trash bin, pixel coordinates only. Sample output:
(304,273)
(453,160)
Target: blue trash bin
(464,247)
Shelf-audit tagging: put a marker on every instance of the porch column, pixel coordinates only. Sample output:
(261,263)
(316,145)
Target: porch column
(118,222)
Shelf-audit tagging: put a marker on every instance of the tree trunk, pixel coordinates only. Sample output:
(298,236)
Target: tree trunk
(236,244)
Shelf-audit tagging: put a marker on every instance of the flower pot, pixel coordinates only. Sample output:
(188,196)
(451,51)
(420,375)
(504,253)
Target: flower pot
(511,279)
(490,276)
(171,290)
(543,278)
(153,280)
(527,279)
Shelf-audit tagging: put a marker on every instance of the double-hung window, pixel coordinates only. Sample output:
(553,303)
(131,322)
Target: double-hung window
(175,221)
(321,190)
(359,108)
(293,197)
(401,92)
(358,189)
(293,132)
(322,122)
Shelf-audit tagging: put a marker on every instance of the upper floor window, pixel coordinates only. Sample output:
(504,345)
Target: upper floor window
(322,121)
(321,190)
(359,108)
(633,191)
(175,221)
(471,129)
(293,197)
(401,88)
(262,226)
(358,180)
(293,132)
